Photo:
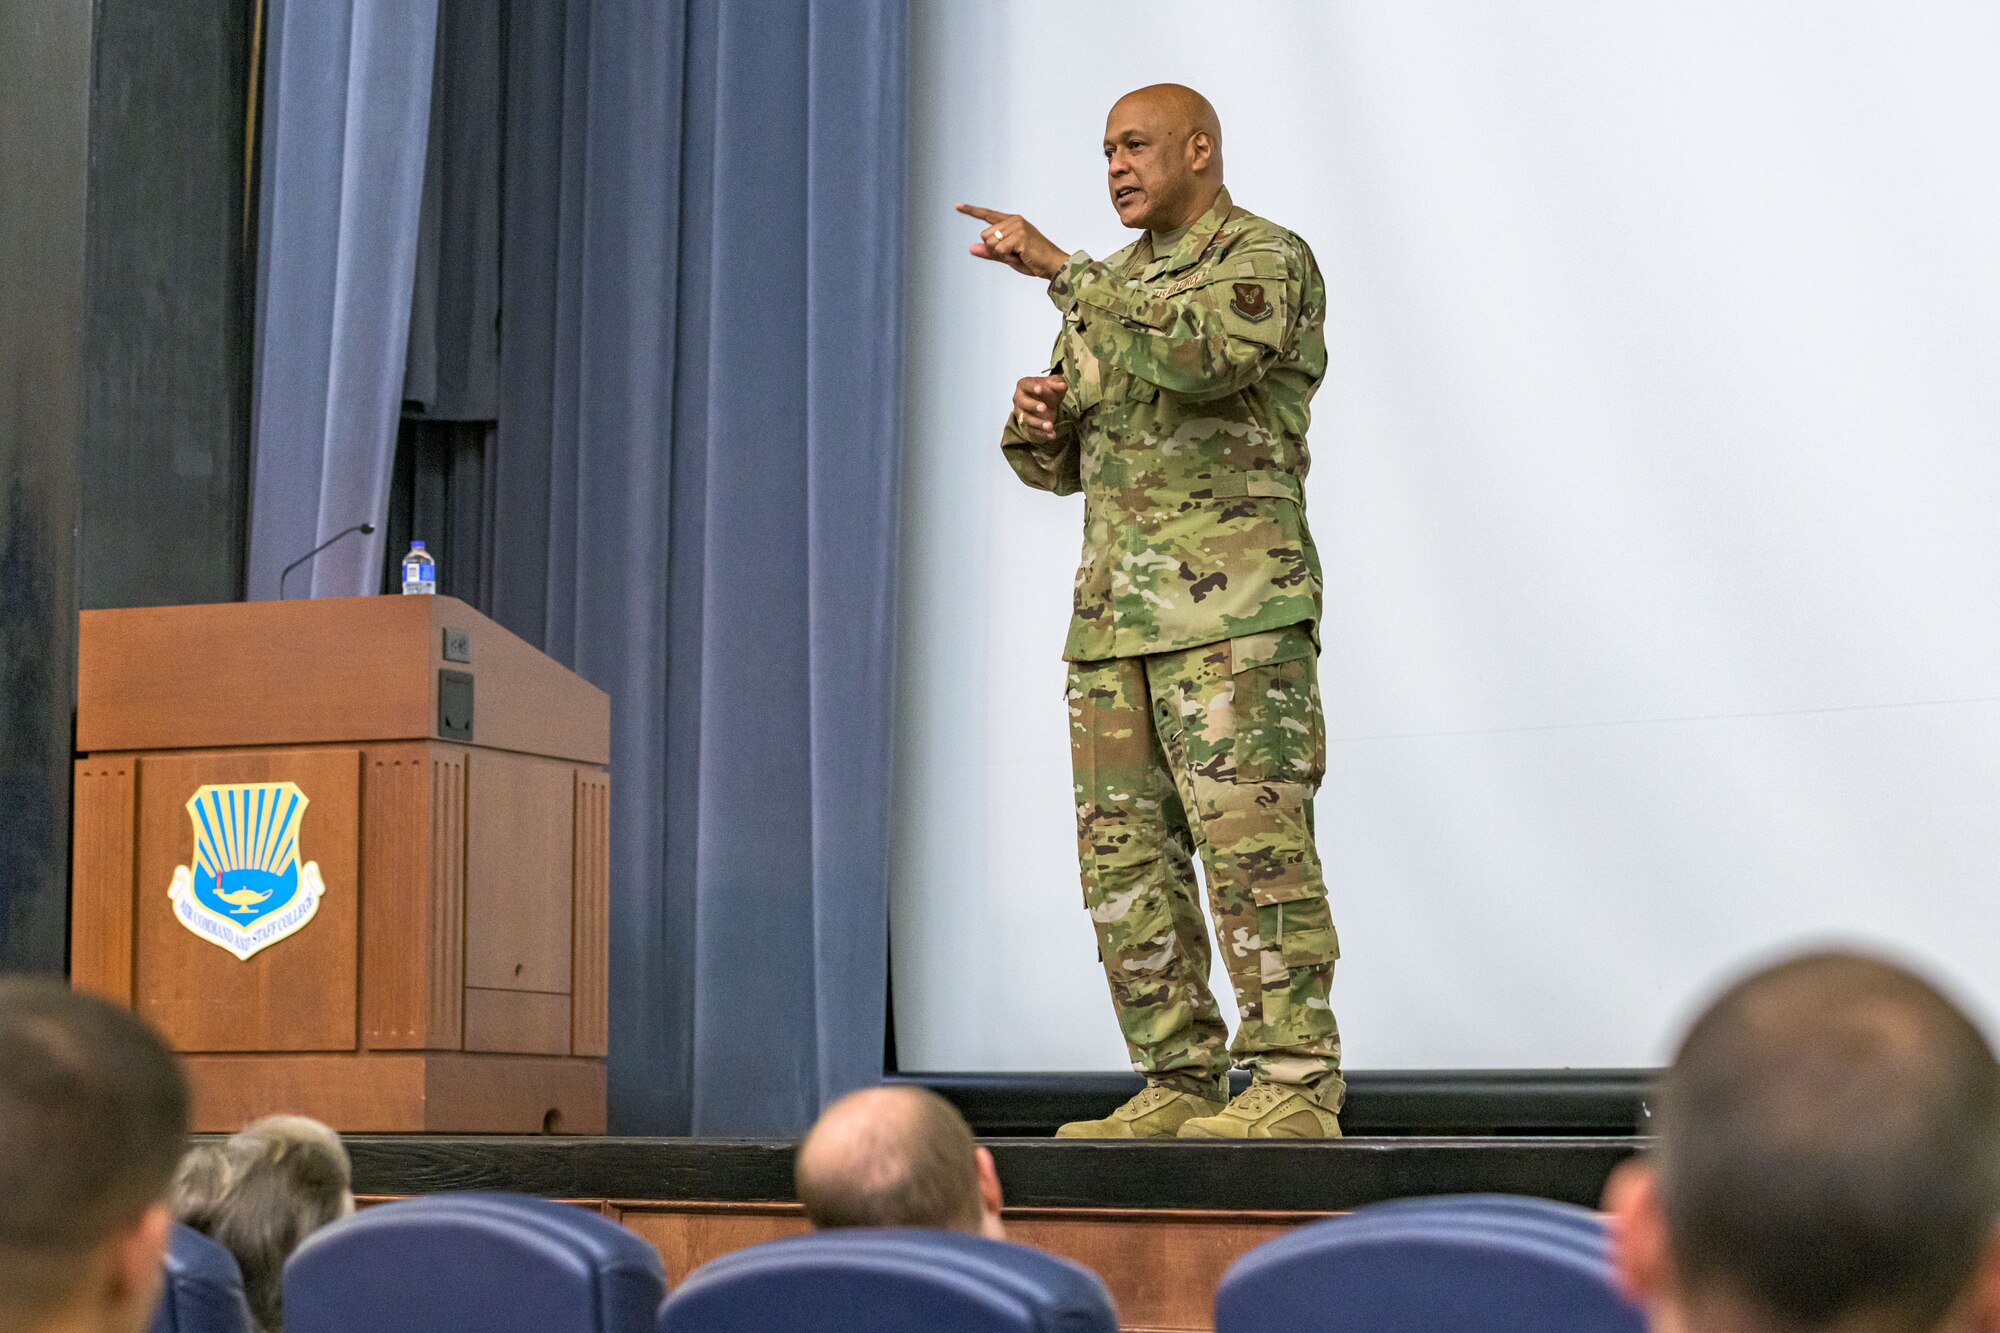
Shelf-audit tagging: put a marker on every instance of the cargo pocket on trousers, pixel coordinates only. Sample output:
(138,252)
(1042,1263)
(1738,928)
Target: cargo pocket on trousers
(1302,930)
(1280,730)
(1119,859)
(1113,854)
(1298,944)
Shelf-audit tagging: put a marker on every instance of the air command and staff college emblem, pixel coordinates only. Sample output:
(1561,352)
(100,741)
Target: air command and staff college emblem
(247,888)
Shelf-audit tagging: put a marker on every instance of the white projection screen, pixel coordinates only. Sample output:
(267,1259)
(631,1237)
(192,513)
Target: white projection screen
(1656,478)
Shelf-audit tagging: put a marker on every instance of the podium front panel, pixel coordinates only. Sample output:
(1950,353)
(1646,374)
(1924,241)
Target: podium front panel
(358,919)
(297,994)
(520,868)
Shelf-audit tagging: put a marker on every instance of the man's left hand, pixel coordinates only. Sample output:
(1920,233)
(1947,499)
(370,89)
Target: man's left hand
(1011,239)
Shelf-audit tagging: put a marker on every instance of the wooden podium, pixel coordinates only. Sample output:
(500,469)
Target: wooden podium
(449,796)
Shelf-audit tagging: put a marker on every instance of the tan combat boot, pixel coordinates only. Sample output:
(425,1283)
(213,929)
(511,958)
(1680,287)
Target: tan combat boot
(1154,1114)
(1266,1111)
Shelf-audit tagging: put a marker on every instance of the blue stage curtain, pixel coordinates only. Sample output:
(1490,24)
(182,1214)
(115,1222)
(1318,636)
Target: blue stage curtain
(346,112)
(695,501)
(454,362)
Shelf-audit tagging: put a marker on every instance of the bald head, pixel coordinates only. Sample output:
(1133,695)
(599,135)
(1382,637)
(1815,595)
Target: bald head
(1828,1151)
(893,1157)
(1174,107)
(1163,152)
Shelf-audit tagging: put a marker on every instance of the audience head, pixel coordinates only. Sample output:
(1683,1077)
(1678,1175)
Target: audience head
(1827,1158)
(199,1181)
(897,1157)
(260,1194)
(93,1117)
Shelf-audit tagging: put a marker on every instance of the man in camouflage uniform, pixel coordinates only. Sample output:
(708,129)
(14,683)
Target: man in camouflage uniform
(1177,403)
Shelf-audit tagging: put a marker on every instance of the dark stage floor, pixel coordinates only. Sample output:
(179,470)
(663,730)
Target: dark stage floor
(1504,1103)
(1036,1173)
(1553,1133)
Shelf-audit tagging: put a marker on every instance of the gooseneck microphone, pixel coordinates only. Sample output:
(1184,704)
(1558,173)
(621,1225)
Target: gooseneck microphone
(363,528)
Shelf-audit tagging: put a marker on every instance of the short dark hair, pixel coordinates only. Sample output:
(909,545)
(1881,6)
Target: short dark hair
(93,1117)
(903,1158)
(1829,1145)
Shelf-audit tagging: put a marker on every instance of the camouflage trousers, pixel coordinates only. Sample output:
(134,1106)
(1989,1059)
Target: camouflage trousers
(1217,749)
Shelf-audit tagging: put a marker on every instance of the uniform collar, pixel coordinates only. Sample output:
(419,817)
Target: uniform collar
(1194,243)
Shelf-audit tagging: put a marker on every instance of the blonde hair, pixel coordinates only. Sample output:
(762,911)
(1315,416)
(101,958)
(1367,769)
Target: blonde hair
(260,1194)
(199,1181)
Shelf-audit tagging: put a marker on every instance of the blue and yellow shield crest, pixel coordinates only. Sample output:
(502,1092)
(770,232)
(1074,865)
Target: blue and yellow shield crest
(247,888)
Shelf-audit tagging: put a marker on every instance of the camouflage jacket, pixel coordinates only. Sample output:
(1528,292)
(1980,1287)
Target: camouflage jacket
(1185,427)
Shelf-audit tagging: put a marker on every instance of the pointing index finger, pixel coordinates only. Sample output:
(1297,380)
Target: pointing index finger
(983,214)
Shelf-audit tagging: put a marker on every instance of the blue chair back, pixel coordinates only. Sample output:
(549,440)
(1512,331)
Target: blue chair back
(1417,1266)
(889,1281)
(203,1291)
(494,1262)
(1511,1214)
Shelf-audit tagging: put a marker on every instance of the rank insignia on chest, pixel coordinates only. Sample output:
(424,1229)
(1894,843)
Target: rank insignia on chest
(1250,301)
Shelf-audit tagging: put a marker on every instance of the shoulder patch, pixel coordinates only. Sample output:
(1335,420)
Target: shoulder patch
(1250,301)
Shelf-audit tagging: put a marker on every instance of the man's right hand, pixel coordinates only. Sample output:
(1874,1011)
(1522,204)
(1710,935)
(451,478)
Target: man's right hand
(1036,400)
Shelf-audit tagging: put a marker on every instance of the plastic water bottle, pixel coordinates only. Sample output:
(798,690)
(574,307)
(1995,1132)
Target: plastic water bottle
(420,572)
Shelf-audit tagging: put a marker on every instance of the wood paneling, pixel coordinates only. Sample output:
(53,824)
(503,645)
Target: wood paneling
(296,995)
(519,1022)
(401,1093)
(446,943)
(330,669)
(689,1235)
(590,940)
(413,898)
(383,1092)
(102,868)
(514,1094)
(466,886)
(333,670)
(524,700)
(1161,1266)
(395,896)
(519,871)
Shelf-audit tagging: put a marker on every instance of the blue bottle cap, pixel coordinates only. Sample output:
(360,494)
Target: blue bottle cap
(416,546)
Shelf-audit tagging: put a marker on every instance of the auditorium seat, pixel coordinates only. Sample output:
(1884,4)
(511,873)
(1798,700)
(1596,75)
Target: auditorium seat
(1511,1211)
(203,1291)
(889,1281)
(494,1262)
(1503,1266)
